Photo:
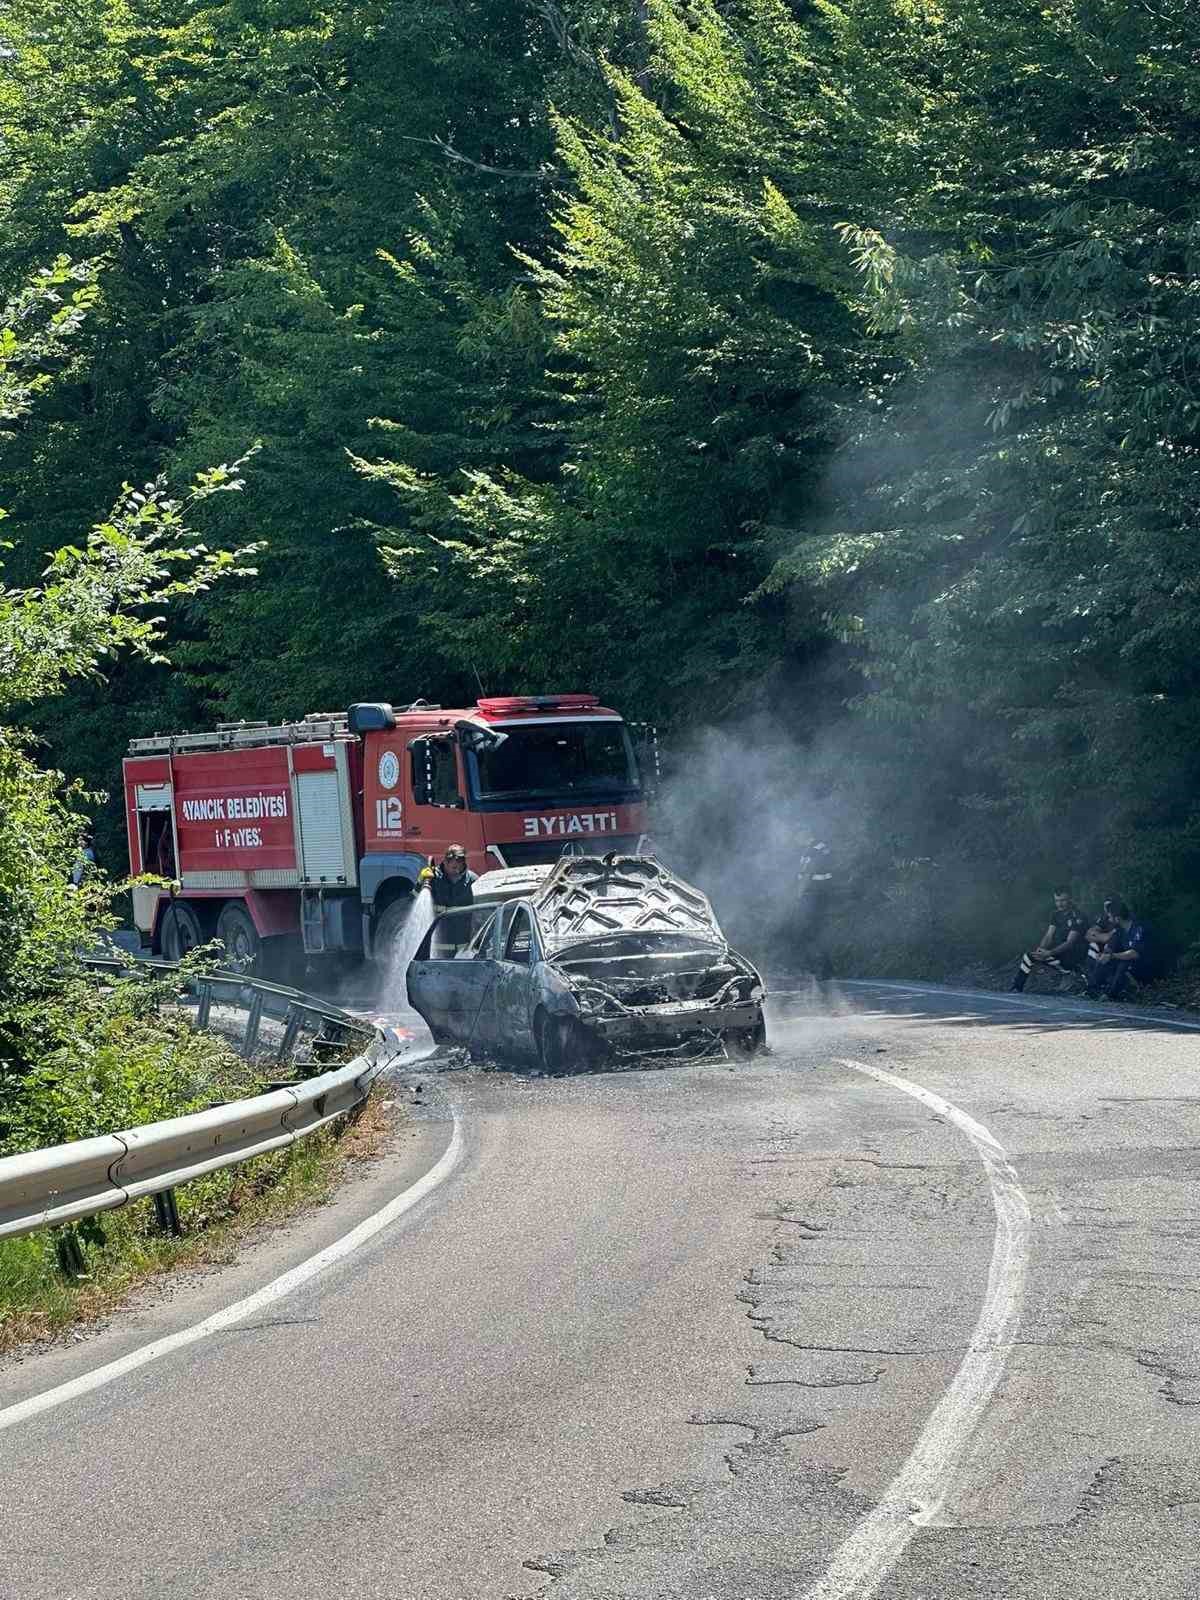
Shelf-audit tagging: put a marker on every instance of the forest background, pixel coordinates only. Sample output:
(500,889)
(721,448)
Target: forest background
(819,382)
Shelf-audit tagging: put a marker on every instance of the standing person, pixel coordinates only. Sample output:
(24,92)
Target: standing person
(1063,946)
(1125,955)
(85,865)
(450,883)
(814,889)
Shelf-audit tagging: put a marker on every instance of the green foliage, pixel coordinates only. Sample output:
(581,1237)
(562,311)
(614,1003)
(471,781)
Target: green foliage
(695,334)
(305,224)
(97,599)
(836,359)
(1013,541)
(107,1061)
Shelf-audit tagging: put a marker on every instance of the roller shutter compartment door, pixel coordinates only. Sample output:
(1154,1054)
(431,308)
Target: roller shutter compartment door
(321,837)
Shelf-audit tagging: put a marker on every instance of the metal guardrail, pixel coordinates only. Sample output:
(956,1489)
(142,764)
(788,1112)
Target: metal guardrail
(61,1185)
(299,1012)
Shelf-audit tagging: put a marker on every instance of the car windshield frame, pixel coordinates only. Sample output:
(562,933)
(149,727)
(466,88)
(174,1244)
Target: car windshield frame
(549,778)
(478,947)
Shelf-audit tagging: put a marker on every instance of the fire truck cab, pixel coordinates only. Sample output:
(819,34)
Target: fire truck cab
(309,837)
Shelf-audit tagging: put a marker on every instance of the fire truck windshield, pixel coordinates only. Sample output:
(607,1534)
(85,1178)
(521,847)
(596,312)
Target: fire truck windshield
(557,761)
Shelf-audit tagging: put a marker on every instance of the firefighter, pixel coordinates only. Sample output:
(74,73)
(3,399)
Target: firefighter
(450,883)
(814,895)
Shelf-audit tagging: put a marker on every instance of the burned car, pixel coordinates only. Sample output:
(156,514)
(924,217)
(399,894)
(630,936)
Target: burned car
(604,957)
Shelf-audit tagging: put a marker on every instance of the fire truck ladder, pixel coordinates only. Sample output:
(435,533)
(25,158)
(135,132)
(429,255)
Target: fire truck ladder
(318,725)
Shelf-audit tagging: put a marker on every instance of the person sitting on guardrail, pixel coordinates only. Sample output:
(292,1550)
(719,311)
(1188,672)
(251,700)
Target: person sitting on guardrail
(1126,955)
(1063,947)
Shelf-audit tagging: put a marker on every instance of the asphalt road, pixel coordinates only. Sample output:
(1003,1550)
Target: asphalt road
(908,1308)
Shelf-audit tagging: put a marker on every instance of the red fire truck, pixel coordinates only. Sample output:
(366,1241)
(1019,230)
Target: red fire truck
(308,837)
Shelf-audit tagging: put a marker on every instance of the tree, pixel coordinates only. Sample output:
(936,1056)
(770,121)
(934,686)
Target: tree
(95,601)
(1012,536)
(699,333)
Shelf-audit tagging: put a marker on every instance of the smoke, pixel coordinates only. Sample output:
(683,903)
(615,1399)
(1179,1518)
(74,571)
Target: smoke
(941,748)
(736,812)
(741,805)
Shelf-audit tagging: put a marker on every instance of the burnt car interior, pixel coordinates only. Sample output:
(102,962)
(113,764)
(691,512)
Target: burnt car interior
(518,946)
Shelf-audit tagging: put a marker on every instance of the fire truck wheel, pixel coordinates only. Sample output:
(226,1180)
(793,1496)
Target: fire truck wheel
(236,930)
(180,931)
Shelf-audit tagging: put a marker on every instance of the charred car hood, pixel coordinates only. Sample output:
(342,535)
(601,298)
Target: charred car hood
(642,956)
(587,899)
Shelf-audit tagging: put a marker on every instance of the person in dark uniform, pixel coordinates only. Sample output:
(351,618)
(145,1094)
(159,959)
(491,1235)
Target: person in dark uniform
(1126,955)
(1063,947)
(451,883)
(814,891)
(1098,936)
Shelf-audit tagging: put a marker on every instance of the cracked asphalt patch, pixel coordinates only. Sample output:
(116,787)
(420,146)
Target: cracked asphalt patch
(1081,1481)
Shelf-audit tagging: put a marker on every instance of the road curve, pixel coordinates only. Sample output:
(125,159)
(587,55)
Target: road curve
(691,1333)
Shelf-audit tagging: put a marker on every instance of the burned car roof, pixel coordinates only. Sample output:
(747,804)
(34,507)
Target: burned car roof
(509,883)
(593,897)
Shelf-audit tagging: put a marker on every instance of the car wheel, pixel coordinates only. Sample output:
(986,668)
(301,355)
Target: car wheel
(742,1043)
(563,1043)
(180,931)
(236,931)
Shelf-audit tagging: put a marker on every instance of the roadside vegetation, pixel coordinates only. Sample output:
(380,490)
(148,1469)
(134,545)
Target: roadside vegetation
(79,1057)
(822,375)
(126,1252)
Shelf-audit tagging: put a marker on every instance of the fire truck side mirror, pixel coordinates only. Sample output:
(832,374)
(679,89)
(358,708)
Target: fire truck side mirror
(370,716)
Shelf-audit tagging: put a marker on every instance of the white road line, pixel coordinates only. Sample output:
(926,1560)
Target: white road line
(916,1493)
(1027,1003)
(242,1309)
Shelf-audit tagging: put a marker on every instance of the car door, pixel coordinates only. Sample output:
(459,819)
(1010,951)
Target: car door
(511,1007)
(451,976)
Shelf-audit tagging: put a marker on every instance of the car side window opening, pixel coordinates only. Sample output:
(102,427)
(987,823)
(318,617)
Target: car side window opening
(451,932)
(448,936)
(435,773)
(481,944)
(518,946)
